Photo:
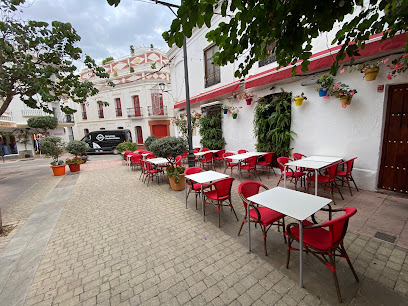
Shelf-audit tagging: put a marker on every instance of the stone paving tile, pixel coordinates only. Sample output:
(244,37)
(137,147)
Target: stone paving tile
(119,241)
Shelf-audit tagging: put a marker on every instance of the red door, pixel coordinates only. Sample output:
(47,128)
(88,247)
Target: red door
(160,131)
(139,135)
(136,105)
(157,104)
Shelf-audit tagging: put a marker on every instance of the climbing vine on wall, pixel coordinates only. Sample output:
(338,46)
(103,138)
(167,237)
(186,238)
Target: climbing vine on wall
(211,131)
(272,121)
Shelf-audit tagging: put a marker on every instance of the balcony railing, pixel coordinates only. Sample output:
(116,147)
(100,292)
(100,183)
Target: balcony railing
(8,117)
(33,113)
(212,78)
(100,114)
(84,116)
(135,112)
(156,111)
(118,112)
(62,118)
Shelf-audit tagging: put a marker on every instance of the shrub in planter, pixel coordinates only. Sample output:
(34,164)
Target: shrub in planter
(149,141)
(169,147)
(124,146)
(53,147)
(43,123)
(76,147)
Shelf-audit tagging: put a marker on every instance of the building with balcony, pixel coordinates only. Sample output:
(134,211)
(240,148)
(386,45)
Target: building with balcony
(136,102)
(13,125)
(374,127)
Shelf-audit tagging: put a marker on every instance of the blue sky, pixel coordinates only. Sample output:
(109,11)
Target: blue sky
(106,30)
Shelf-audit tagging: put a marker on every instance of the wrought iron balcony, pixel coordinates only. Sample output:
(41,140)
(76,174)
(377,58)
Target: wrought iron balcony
(118,112)
(135,112)
(62,118)
(100,114)
(156,111)
(84,116)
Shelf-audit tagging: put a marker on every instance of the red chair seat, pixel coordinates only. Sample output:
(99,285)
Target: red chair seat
(341,173)
(318,237)
(212,194)
(154,171)
(268,216)
(263,163)
(295,174)
(320,178)
(197,186)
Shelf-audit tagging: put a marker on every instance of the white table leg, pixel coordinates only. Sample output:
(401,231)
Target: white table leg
(284,176)
(202,201)
(249,230)
(300,254)
(315,182)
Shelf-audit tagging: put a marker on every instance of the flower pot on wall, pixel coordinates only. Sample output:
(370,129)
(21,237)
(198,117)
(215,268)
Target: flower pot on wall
(249,101)
(74,167)
(371,74)
(181,185)
(58,170)
(225,111)
(234,116)
(299,101)
(346,100)
(323,92)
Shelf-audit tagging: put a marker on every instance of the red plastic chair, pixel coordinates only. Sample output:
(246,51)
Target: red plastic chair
(125,154)
(205,149)
(324,244)
(178,160)
(228,162)
(152,172)
(297,156)
(266,164)
(196,150)
(219,158)
(250,164)
(242,151)
(150,155)
(184,157)
(142,175)
(263,216)
(192,185)
(218,195)
(346,175)
(329,180)
(135,161)
(207,160)
(292,175)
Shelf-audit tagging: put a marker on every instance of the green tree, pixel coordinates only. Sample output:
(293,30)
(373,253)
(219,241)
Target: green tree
(108,59)
(43,123)
(36,62)
(288,26)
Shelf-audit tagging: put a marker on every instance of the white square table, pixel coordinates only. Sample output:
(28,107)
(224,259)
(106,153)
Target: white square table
(295,204)
(203,178)
(305,163)
(202,153)
(158,161)
(240,157)
(329,159)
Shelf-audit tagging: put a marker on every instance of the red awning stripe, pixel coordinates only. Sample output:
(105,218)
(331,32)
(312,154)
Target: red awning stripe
(324,59)
(211,94)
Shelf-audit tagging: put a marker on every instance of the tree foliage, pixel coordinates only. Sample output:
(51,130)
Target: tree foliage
(106,60)
(44,123)
(126,146)
(36,62)
(168,147)
(251,27)
(76,147)
(53,147)
(149,140)
(211,132)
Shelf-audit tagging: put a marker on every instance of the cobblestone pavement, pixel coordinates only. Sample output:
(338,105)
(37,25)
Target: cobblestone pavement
(120,242)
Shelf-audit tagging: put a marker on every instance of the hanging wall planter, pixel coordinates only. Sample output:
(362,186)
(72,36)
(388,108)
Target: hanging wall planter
(323,92)
(345,100)
(234,116)
(371,74)
(299,99)
(225,111)
(248,101)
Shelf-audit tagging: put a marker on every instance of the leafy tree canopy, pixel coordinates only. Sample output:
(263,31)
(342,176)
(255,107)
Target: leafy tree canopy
(289,26)
(36,62)
(44,123)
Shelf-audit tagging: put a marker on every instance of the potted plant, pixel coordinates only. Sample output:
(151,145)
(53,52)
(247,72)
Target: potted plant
(182,123)
(399,65)
(126,146)
(53,147)
(233,111)
(225,108)
(344,93)
(76,148)
(248,96)
(299,99)
(149,140)
(325,82)
(370,69)
(170,147)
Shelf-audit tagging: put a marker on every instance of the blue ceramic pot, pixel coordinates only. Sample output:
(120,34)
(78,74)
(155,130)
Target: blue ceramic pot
(225,111)
(323,92)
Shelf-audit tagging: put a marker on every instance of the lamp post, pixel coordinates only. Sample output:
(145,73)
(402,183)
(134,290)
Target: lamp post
(190,156)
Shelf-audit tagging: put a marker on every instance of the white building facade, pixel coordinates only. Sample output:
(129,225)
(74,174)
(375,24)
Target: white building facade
(322,126)
(137,102)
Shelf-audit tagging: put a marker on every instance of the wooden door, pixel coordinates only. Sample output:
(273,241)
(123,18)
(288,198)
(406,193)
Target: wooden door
(139,135)
(160,131)
(136,106)
(394,159)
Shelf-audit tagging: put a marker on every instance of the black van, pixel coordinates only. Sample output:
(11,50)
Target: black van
(106,140)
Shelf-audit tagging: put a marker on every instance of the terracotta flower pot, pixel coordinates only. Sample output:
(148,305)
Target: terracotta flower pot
(74,167)
(371,74)
(299,101)
(249,101)
(58,170)
(181,185)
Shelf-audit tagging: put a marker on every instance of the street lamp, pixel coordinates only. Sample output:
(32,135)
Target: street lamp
(190,156)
